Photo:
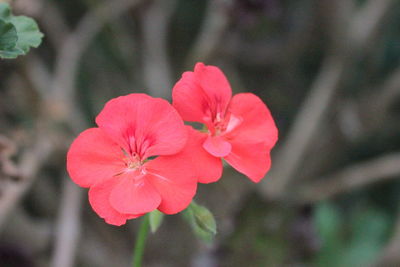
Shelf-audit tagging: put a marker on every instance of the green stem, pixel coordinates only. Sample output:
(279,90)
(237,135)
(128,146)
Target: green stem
(140,242)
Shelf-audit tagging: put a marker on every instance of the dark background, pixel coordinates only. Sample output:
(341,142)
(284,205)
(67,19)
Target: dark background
(328,70)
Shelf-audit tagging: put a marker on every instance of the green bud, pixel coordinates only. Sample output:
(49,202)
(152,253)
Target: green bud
(156,218)
(201,220)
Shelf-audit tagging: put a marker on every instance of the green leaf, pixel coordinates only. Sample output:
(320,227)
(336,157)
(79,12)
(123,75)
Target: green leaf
(8,35)
(156,218)
(5,11)
(328,223)
(202,221)
(27,31)
(369,228)
(11,53)
(327,220)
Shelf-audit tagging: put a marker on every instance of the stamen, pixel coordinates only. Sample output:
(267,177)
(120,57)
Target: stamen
(225,125)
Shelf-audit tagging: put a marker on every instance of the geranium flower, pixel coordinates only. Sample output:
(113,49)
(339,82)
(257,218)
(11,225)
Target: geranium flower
(240,129)
(116,160)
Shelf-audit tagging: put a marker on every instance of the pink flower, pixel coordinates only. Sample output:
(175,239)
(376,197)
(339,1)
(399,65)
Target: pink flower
(241,129)
(116,161)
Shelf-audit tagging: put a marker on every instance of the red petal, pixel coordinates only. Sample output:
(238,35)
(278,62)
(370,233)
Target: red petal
(175,180)
(142,124)
(253,160)
(189,99)
(93,157)
(133,194)
(217,146)
(200,95)
(208,168)
(118,118)
(214,83)
(99,200)
(257,124)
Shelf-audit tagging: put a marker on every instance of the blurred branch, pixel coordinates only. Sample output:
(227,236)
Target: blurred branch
(376,104)
(68,219)
(38,74)
(215,23)
(367,22)
(305,126)
(31,161)
(156,68)
(68,226)
(383,98)
(61,102)
(68,58)
(315,106)
(53,24)
(353,177)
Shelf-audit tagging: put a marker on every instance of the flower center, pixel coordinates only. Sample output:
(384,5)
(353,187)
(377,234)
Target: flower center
(132,161)
(225,125)
(133,164)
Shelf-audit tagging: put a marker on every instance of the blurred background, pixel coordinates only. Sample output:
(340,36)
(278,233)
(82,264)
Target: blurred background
(328,70)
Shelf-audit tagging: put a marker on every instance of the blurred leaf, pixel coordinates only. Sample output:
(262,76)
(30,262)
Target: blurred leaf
(156,218)
(201,220)
(27,31)
(327,220)
(368,234)
(372,222)
(8,35)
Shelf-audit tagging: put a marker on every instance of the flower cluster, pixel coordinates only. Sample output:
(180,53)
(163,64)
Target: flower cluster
(142,157)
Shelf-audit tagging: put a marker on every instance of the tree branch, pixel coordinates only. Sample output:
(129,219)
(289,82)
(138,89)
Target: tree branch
(362,174)
(68,58)
(215,23)
(31,161)
(68,226)
(314,109)
(156,67)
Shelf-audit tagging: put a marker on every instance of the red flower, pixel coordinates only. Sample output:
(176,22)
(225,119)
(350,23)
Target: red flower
(241,129)
(115,160)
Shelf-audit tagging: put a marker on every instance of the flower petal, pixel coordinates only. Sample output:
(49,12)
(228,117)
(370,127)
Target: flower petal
(175,180)
(163,128)
(257,124)
(189,99)
(118,117)
(133,194)
(217,146)
(93,157)
(214,83)
(208,167)
(99,200)
(142,124)
(200,95)
(253,160)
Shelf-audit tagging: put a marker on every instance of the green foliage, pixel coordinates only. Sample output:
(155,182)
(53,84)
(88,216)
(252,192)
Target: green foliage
(327,220)
(8,35)
(156,218)
(17,33)
(366,236)
(201,220)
